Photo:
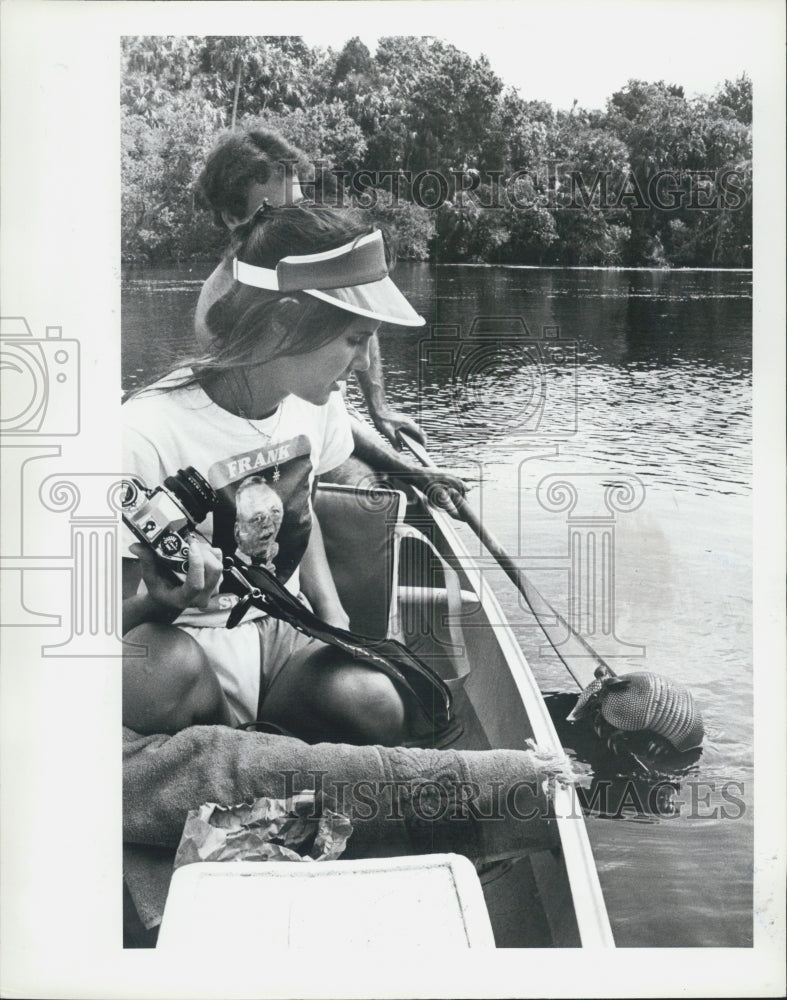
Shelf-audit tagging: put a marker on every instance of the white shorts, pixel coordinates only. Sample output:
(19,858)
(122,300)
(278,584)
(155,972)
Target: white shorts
(247,658)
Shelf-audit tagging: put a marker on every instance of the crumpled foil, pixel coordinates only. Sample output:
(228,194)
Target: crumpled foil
(263,830)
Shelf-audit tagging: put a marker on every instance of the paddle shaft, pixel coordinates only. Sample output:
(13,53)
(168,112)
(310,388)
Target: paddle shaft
(531,595)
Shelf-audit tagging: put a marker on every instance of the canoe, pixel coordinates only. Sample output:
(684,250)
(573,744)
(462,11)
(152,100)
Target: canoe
(550,898)
(403,570)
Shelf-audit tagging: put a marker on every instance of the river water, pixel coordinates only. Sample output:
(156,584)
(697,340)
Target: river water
(606,403)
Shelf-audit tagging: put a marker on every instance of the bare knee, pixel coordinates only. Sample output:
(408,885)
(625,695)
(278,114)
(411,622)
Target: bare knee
(168,683)
(322,697)
(367,704)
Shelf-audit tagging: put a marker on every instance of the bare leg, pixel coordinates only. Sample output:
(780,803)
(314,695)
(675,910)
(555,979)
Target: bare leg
(322,696)
(173,686)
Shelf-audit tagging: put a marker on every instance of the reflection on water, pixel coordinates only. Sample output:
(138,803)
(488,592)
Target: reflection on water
(617,373)
(654,373)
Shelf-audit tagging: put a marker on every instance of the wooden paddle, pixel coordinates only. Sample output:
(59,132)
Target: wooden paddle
(572,646)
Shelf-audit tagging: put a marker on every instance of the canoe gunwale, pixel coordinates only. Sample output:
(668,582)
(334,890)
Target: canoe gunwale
(590,909)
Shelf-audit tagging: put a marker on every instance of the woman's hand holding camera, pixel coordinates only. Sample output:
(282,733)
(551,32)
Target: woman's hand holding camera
(205,567)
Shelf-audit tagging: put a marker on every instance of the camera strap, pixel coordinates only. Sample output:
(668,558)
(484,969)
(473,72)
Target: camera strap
(433,722)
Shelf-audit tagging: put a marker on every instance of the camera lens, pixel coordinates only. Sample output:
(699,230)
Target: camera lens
(130,494)
(195,493)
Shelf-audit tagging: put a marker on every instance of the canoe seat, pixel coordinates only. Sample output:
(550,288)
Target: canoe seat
(358,527)
(391,580)
(245,908)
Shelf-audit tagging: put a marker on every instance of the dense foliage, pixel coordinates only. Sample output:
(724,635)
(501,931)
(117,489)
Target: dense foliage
(475,172)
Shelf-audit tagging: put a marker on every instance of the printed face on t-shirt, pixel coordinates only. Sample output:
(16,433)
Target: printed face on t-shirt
(259,513)
(263,508)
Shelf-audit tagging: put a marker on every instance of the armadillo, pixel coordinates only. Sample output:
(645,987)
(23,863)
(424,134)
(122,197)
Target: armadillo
(644,700)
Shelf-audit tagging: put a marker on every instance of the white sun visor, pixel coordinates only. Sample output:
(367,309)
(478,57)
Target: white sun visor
(353,277)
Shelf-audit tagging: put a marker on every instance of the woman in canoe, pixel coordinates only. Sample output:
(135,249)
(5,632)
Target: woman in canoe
(259,418)
(244,170)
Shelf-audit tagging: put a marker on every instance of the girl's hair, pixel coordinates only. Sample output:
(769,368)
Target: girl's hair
(245,314)
(240,158)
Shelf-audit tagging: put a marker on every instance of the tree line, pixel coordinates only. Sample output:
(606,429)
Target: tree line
(434,145)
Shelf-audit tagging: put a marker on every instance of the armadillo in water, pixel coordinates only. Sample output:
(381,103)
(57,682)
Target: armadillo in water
(643,700)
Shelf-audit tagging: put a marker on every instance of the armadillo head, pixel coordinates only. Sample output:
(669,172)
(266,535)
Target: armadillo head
(588,701)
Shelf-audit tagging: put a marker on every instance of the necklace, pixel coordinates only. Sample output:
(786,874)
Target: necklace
(268,436)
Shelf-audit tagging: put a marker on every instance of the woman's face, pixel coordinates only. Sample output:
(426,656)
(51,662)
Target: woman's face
(316,375)
(281,188)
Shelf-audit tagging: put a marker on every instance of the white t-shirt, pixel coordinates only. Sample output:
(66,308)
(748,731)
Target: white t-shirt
(279,456)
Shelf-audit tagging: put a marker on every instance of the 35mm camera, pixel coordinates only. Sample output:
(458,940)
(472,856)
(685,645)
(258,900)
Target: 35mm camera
(162,518)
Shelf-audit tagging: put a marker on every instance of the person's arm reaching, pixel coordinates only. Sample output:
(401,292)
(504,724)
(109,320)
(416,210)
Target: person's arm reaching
(386,420)
(435,482)
(317,581)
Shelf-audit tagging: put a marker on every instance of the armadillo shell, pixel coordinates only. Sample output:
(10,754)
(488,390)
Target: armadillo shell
(650,701)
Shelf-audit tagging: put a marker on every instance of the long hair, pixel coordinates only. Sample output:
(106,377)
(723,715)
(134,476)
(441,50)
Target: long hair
(245,315)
